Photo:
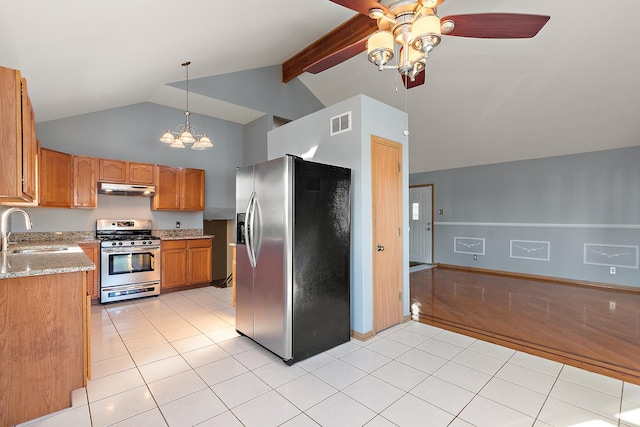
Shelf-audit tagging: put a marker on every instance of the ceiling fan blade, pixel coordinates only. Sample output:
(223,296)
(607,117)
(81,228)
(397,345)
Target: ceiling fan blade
(361,6)
(417,81)
(354,30)
(337,57)
(496,25)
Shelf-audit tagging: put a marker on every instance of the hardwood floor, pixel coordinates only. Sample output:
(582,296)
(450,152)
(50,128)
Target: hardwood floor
(591,328)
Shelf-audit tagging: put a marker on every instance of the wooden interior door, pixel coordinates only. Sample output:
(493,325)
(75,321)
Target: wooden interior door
(386,188)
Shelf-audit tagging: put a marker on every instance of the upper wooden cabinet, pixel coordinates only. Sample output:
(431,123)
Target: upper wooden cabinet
(140,173)
(192,190)
(113,170)
(85,173)
(167,195)
(18,175)
(125,172)
(178,189)
(55,179)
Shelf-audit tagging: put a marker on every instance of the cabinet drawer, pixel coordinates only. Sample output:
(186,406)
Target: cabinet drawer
(174,244)
(199,243)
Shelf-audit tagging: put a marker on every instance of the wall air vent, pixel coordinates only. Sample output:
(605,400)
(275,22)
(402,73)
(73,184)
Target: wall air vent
(340,124)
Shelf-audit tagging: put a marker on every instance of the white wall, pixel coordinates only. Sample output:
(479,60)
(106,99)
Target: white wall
(310,134)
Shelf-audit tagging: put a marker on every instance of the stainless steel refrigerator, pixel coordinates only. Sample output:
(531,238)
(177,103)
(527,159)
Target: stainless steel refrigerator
(293,256)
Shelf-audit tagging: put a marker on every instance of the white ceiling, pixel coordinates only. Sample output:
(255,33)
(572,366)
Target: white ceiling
(573,88)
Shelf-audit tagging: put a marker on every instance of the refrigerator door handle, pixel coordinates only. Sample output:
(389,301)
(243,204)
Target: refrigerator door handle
(248,229)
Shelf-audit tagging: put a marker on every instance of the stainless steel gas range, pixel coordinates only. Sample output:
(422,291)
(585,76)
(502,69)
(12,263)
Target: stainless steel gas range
(130,259)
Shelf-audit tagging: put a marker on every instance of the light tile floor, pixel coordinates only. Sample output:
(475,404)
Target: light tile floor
(177,360)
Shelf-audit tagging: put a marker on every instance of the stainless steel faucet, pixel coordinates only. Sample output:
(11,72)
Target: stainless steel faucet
(4,225)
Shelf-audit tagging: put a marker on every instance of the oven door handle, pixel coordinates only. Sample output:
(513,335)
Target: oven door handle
(130,250)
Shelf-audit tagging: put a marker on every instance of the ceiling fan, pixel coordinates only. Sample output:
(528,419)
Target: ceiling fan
(408,29)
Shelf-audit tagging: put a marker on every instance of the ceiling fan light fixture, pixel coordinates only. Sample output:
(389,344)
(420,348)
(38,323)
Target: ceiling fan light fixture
(412,62)
(380,48)
(447,26)
(426,32)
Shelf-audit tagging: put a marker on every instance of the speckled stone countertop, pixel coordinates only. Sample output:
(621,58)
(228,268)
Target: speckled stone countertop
(180,233)
(26,264)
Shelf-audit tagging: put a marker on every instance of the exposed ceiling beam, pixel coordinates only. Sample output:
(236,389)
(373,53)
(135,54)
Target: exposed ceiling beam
(353,30)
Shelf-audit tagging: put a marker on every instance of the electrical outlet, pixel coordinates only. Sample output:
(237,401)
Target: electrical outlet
(612,306)
(475,257)
(441,212)
(612,270)
(177,224)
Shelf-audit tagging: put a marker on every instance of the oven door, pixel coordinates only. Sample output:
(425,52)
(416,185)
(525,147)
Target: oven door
(120,266)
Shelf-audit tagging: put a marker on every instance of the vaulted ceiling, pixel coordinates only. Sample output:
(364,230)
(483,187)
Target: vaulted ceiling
(573,88)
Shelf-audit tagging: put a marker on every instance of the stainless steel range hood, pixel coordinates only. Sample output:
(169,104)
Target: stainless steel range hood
(126,189)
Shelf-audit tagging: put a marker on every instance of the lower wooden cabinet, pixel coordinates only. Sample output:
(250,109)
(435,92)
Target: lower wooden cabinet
(92,250)
(43,355)
(186,262)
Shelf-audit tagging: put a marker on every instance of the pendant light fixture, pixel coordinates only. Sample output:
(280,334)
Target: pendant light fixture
(186,134)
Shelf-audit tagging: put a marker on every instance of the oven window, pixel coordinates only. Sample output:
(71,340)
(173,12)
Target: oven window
(131,263)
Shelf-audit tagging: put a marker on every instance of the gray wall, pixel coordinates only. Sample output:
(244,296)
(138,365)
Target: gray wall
(255,140)
(260,89)
(551,208)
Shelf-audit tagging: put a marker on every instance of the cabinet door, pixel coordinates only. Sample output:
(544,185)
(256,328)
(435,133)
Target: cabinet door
(192,190)
(55,179)
(84,182)
(199,261)
(174,264)
(112,170)
(18,174)
(92,250)
(140,173)
(167,195)
(29,146)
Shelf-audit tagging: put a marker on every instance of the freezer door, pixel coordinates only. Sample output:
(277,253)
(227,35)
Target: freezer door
(321,258)
(244,270)
(272,242)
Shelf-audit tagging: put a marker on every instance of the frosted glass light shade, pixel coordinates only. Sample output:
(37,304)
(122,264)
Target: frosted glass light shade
(205,141)
(186,137)
(167,137)
(177,144)
(380,47)
(427,26)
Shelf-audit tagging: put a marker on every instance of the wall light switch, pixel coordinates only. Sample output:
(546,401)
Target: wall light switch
(612,270)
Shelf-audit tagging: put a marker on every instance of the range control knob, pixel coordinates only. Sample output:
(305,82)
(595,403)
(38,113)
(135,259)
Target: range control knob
(113,243)
(144,243)
(133,243)
(119,243)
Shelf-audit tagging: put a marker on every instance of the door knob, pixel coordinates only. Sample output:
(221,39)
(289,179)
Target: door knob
(380,248)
